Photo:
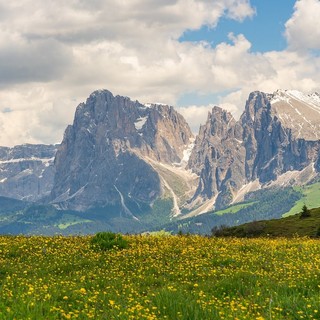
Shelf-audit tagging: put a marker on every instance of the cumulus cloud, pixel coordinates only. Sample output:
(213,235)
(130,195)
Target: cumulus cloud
(195,115)
(53,54)
(303,28)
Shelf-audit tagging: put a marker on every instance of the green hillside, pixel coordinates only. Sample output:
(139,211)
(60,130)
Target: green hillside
(310,197)
(285,227)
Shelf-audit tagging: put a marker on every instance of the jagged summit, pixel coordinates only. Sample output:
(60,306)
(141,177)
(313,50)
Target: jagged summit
(275,135)
(124,156)
(106,155)
(299,112)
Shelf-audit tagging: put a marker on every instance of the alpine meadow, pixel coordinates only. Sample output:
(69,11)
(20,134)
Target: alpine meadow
(160,277)
(160,160)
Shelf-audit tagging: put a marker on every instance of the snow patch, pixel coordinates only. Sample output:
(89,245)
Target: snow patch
(187,152)
(140,122)
(298,111)
(44,160)
(249,187)
(125,208)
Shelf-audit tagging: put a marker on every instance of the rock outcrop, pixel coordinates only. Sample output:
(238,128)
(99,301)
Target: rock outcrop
(121,155)
(103,160)
(276,134)
(27,171)
(218,157)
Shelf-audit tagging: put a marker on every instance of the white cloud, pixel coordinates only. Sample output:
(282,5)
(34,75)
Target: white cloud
(195,115)
(53,54)
(303,28)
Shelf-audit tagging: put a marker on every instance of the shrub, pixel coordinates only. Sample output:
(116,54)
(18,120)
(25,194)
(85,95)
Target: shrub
(255,228)
(219,231)
(108,240)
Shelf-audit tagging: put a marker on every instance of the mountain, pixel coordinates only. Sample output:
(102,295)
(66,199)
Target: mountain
(27,171)
(275,142)
(117,155)
(129,167)
(218,158)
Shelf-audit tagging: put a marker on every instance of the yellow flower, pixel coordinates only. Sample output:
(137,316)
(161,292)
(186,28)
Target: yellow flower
(83,291)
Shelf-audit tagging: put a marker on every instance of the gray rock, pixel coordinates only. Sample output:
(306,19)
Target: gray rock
(102,159)
(27,171)
(219,158)
(263,145)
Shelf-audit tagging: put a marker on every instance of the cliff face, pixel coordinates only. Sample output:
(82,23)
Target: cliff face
(272,145)
(124,155)
(27,171)
(218,157)
(104,156)
(272,137)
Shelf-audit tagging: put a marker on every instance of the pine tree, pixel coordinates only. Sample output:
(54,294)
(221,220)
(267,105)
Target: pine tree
(305,213)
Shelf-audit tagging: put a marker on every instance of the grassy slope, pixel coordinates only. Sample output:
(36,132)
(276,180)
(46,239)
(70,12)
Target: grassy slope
(284,227)
(310,198)
(233,209)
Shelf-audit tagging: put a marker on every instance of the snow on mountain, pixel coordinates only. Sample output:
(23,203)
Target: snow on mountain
(27,171)
(140,122)
(299,112)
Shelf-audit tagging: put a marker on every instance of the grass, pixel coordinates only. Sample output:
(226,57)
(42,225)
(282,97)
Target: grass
(172,277)
(285,227)
(310,198)
(68,220)
(234,209)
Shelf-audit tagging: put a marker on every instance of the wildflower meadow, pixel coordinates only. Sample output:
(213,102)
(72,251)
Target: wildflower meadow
(159,277)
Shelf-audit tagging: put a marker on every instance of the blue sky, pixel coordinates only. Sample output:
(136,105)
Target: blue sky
(265,30)
(53,54)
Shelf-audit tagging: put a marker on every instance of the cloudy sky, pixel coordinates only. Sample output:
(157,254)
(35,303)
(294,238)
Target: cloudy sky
(188,53)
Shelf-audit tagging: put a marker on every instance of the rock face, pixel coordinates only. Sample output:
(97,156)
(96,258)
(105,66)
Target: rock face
(121,155)
(272,142)
(275,135)
(103,160)
(27,171)
(218,157)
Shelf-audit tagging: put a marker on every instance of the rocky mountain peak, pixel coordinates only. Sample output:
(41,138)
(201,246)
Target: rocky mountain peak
(298,112)
(104,154)
(276,134)
(27,171)
(257,104)
(218,158)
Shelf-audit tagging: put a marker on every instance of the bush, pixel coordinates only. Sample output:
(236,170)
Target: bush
(108,240)
(255,228)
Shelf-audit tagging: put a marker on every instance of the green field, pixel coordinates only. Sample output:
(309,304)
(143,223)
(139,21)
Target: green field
(311,198)
(234,209)
(160,277)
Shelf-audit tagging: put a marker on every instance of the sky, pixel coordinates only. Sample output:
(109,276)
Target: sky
(192,54)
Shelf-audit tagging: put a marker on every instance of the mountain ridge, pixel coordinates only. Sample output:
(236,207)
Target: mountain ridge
(122,156)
